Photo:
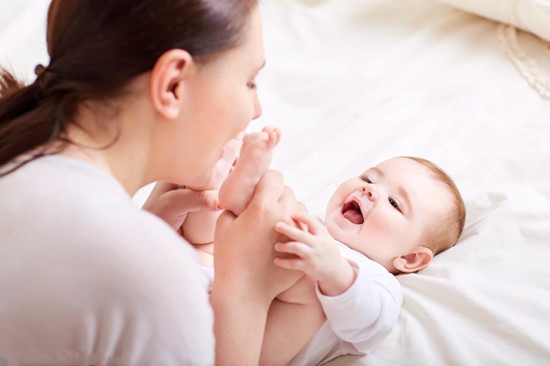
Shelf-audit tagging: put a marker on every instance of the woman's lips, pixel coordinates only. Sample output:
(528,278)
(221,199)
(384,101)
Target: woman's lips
(352,212)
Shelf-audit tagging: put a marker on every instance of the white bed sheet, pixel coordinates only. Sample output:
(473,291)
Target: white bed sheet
(351,83)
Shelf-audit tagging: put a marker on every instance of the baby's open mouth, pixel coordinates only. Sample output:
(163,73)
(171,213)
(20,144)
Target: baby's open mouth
(352,212)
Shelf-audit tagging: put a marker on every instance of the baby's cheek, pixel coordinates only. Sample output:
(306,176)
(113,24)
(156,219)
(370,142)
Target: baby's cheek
(379,229)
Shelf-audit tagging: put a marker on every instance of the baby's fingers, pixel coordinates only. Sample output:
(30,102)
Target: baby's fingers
(293,247)
(314,225)
(293,233)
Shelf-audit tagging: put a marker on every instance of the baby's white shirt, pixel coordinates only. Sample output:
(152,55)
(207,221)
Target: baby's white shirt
(360,318)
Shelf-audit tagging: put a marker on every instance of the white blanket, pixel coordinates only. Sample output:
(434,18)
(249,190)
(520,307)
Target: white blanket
(354,82)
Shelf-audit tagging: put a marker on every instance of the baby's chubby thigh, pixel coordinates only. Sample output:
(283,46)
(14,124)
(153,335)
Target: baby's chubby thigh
(302,292)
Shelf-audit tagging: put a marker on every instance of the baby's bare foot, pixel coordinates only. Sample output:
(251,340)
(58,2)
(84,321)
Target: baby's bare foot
(255,156)
(253,162)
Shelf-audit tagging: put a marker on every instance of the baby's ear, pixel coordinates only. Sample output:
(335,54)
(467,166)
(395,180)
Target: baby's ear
(413,261)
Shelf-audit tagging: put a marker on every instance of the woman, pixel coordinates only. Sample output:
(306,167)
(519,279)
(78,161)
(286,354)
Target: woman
(135,92)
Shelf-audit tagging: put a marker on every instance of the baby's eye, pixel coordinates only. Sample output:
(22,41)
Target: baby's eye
(251,85)
(394,204)
(366,179)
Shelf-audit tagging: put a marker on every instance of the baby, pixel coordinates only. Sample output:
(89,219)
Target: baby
(391,219)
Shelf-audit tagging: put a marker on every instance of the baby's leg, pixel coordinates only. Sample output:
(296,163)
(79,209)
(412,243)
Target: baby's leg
(293,319)
(253,162)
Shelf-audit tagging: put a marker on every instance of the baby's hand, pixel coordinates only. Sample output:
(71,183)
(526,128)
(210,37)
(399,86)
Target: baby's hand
(316,254)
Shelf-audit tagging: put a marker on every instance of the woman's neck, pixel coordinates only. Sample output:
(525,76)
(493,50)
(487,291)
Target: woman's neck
(118,145)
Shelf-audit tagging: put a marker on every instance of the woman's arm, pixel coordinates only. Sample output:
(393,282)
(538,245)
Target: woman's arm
(246,280)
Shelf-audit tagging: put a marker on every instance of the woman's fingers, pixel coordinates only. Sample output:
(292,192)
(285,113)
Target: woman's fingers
(302,210)
(269,190)
(172,204)
(249,265)
(224,221)
(288,204)
(188,200)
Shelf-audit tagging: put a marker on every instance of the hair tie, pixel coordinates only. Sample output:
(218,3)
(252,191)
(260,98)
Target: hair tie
(44,77)
(39,70)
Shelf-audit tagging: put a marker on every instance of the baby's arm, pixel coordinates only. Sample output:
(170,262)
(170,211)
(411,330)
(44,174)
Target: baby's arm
(364,307)
(296,315)
(253,162)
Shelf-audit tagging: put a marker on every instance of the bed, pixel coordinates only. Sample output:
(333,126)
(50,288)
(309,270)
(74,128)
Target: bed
(352,83)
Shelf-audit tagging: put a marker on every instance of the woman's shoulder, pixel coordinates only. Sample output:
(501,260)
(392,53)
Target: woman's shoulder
(80,218)
(60,183)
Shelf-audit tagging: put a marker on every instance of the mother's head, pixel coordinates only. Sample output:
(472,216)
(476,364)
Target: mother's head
(187,67)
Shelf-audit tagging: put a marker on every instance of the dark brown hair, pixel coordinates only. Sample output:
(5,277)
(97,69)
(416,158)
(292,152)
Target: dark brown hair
(96,48)
(445,234)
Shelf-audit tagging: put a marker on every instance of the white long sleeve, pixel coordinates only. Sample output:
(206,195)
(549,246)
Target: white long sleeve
(89,278)
(367,312)
(360,318)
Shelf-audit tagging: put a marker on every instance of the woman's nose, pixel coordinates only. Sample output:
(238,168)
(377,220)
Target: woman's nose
(257,107)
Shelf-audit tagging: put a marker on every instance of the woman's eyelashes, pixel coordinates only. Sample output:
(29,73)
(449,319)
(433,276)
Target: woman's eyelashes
(392,202)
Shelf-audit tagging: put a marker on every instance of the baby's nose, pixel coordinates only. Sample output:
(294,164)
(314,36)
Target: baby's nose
(369,192)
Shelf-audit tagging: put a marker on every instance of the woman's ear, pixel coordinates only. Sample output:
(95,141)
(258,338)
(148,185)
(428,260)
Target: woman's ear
(166,80)
(413,261)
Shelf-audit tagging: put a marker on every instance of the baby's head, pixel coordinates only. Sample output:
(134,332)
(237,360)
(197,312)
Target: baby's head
(399,213)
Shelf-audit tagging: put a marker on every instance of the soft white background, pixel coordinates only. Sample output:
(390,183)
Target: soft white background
(351,83)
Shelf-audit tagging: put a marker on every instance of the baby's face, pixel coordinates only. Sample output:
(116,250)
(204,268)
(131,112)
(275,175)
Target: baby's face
(388,210)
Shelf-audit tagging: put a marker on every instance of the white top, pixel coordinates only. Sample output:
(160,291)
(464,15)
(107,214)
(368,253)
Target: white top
(360,318)
(88,278)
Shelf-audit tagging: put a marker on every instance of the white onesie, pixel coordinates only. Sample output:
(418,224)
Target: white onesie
(360,318)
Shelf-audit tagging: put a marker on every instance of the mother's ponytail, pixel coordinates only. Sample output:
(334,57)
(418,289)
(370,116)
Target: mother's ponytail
(96,48)
(29,122)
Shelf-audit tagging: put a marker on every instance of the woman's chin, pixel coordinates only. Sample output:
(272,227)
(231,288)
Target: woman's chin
(202,181)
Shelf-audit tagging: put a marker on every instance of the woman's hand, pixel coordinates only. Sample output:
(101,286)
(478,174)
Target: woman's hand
(247,280)
(244,244)
(172,203)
